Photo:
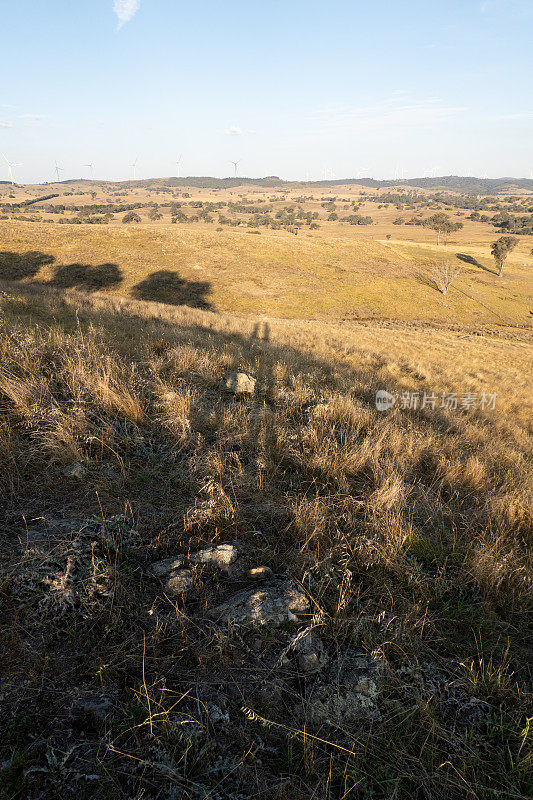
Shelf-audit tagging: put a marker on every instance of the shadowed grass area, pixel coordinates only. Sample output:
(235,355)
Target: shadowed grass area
(409,532)
(333,277)
(90,278)
(165,286)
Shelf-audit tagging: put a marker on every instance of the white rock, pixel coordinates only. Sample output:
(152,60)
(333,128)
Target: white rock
(179,581)
(166,566)
(229,558)
(238,383)
(271,605)
(259,573)
(221,556)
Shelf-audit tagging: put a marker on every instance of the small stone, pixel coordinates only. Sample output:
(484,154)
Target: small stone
(346,691)
(238,383)
(309,650)
(229,558)
(75,470)
(179,581)
(221,556)
(259,573)
(309,662)
(166,566)
(271,605)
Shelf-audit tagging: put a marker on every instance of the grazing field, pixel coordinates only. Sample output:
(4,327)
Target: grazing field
(288,592)
(283,254)
(406,534)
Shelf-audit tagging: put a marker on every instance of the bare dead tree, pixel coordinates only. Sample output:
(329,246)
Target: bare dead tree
(444,274)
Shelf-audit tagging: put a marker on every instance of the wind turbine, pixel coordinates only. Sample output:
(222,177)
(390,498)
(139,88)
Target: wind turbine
(57,171)
(178,162)
(90,166)
(134,168)
(10,168)
(235,164)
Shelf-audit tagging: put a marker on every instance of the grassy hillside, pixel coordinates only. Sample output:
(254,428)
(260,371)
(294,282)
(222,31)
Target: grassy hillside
(408,532)
(275,273)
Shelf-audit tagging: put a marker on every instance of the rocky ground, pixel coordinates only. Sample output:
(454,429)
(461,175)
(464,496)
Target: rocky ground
(214,582)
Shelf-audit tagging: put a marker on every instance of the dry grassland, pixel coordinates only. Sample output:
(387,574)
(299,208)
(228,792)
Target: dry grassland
(409,532)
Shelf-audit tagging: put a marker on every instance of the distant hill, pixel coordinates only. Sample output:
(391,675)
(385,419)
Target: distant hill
(455,183)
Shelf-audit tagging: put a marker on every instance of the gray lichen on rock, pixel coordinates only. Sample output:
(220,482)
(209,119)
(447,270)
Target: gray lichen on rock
(274,604)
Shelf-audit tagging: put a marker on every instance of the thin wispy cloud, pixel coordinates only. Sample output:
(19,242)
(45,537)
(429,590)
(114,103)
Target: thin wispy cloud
(31,117)
(393,115)
(5,124)
(233,130)
(509,7)
(125,10)
(510,117)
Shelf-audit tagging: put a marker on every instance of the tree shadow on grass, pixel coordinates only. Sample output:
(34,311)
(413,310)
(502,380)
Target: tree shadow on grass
(17,266)
(168,287)
(87,276)
(466,259)
(425,279)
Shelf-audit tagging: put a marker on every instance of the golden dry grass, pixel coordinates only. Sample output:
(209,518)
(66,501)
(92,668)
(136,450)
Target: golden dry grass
(336,272)
(410,531)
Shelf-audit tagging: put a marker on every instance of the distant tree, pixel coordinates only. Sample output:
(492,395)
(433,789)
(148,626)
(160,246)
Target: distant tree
(451,228)
(131,216)
(154,214)
(501,248)
(442,225)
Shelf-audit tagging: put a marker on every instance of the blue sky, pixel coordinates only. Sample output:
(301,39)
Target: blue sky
(296,89)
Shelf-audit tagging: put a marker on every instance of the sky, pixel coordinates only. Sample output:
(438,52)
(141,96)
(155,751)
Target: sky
(302,90)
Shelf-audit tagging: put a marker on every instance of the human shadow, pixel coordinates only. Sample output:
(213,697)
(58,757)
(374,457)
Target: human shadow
(467,259)
(269,467)
(168,287)
(246,350)
(17,266)
(87,276)
(261,331)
